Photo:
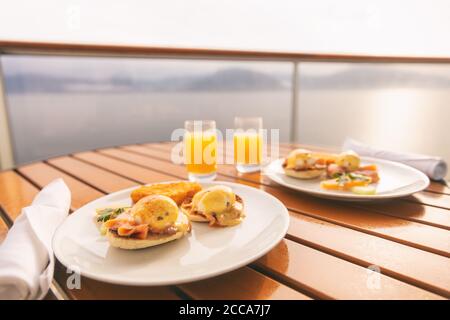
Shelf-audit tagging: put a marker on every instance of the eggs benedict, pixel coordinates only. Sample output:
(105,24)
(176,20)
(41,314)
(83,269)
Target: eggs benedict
(348,174)
(348,160)
(153,220)
(303,164)
(218,205)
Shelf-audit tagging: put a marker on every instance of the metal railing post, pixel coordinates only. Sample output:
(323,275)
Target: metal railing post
(294,111)
(6,152)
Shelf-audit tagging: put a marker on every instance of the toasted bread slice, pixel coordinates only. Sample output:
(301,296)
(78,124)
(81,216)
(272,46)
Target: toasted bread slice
(177,191)
(304,174)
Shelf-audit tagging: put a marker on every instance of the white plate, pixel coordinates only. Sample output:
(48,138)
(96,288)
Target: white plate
(203,253)
(396,180)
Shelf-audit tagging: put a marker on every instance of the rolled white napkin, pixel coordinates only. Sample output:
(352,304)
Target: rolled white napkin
(26,256)
(434,167)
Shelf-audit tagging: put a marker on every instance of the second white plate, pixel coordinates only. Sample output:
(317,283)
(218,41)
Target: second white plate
(396,180)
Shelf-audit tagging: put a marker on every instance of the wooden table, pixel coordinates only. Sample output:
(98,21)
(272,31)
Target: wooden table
(328,253)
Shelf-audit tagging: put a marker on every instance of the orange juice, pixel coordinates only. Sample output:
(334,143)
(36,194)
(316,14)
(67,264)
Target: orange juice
(248,147)
(200,152)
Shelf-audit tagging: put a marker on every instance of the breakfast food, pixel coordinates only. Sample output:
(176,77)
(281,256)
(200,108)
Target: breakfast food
(218,205)
(346,182)
(152,221)
(177,191)
(156,218)
(303,164)
(348,174)
(349,162)
(343,171)
(107,213)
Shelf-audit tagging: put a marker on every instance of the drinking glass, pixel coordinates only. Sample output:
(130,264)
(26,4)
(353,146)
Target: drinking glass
(200,148)
(248,144)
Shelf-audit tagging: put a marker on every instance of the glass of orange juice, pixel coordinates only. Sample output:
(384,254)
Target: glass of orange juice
(248,144)
(200,149)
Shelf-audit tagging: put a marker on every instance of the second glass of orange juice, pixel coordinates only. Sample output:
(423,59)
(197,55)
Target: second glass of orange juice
(200,149)
(248,144)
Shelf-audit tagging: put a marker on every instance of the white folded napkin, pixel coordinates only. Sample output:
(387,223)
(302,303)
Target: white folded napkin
(26,256)
(433,167)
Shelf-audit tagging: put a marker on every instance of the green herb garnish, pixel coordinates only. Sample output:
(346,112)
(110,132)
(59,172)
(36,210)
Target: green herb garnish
(106,214)
(358,177)
(342,179)
(337,175)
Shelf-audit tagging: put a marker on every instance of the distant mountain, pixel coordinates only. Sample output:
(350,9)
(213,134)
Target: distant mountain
(232,79)
(227,79)
(235,79)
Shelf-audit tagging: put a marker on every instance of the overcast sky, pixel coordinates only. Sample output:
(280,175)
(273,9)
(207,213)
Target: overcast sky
(392,27)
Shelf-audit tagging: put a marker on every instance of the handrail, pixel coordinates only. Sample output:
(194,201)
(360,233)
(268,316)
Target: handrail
(24,47)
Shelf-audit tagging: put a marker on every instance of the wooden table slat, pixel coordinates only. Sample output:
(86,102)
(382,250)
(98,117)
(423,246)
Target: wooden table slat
(42,174)
(102,179)
(3,229)
(418,267)
(126,154)
(327,276)
(122,168)
(249,283)
(432,216)
(438,188)
(15,192)
(431,199)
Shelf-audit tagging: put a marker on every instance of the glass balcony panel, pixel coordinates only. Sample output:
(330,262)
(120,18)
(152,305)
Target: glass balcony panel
(60,105)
